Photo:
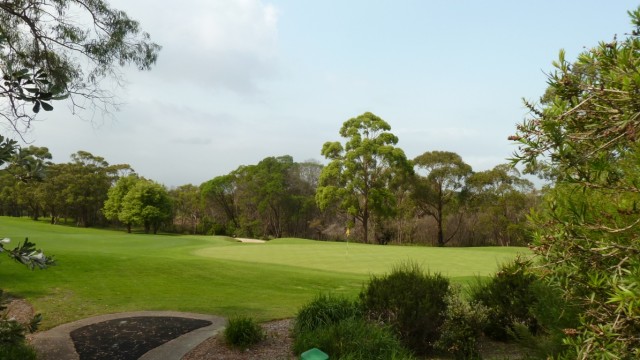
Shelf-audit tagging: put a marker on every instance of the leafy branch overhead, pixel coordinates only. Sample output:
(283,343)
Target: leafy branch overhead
(46,54)
(31,87)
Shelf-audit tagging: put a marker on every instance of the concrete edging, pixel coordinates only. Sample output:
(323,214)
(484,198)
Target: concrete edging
(56,343)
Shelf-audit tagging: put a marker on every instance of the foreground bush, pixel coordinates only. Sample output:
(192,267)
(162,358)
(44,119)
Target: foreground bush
(525,308)
(509,295)
(13,343)
(242,332)
(325,310)
(352,339)
(462,327)
(20,351)
(411,302)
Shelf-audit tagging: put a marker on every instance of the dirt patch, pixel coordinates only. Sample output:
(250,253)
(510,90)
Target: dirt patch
(276,346)
(20,310)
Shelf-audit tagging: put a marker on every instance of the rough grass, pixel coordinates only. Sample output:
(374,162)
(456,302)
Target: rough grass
(102,271)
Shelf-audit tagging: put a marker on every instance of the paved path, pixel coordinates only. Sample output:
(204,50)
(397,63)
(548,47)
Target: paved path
(56,343)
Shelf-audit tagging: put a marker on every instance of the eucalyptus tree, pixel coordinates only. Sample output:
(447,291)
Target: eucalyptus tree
(502,199)
(88,179)
(28,166)
(438,187)
(219,200)
(187,208)
(359,173)
(585,134)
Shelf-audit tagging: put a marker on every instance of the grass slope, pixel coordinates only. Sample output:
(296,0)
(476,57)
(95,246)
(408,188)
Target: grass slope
(102,271)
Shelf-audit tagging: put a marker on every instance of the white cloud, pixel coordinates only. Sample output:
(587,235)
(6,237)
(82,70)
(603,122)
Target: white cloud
(212,44)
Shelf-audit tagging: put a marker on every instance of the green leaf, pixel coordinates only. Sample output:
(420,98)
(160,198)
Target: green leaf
(36,107)
(46,107)
(60,97)
(20,73)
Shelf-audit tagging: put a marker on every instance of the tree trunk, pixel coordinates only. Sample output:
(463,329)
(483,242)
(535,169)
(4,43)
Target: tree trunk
(365,224)
(439,220)
(440,232)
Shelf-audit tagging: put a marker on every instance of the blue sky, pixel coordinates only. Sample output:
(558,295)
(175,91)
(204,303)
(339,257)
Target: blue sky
(238,81)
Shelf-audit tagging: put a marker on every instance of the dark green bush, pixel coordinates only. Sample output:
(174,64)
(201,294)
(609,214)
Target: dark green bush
(325,310)
(554,316)
(242,332)
(20,351)
(13,344)
(525,308)
(509,295)
(462,327)
(411,302)
(352,339)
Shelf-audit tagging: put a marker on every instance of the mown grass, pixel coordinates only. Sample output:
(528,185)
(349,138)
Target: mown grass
(103,271)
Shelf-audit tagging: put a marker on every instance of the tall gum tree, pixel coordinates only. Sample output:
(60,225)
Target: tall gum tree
(359,174)
(439,182)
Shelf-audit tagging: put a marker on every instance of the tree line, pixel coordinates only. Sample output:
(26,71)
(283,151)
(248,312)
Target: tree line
(369,191)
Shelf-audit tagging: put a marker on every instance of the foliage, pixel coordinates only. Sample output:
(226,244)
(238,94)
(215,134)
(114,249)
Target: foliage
(584,135)
(20,351)
(242,332)
(187,208)
(218,197)
(114,204)
(271,199)
(352,339)
(47,53)
(147,203)
(411,302)
(462,327)
(508,295)
(360,173)
(85,184)
(7,149)
(325,310)
(27,254)
(440,190)
(502,200)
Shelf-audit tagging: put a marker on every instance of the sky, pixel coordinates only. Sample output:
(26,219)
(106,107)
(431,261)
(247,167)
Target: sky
(241,80)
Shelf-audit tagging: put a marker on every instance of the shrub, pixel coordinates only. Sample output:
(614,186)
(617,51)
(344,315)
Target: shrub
(352,339)
(243,332)
(509,295)
(13,343)
(525,308)
(325,310)
(554,317)
(462,327)
(20,351)
(411,302)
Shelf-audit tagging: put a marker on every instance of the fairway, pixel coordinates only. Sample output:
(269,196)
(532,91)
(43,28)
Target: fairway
(104,271)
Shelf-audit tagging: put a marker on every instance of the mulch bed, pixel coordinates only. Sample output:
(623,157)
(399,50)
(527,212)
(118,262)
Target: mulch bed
(130,338)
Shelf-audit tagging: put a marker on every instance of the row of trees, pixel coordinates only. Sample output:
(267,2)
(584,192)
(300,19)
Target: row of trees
(434,199)
(385,195)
